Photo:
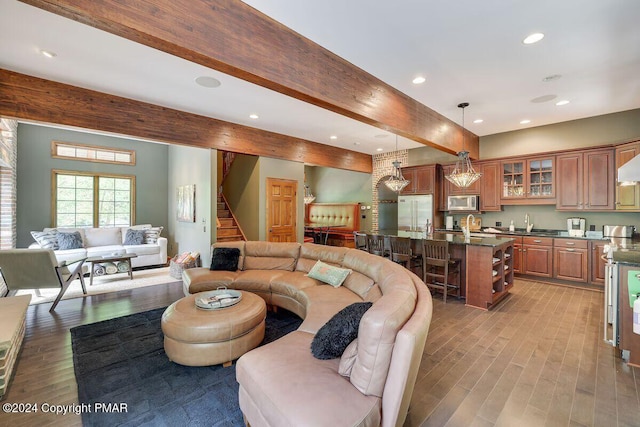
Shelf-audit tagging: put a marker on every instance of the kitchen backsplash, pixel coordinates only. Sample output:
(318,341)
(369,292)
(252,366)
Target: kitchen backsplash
(546,217)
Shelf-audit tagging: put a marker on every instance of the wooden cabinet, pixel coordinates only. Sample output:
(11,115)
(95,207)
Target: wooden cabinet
(448,189)
(491,277)
(585,180)
(490,186)
(629,341)
(627,196)
(537,256)
(597,262)
(517,253)
(422,179)
(530,180)
(570,259)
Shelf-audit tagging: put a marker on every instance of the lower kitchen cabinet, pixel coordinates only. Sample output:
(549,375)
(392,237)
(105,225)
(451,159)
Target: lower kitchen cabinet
(597,262)
(570,260)
(537,256)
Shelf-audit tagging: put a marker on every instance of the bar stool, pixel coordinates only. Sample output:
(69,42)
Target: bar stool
(375,243)
(360,240)
(402,253)
(437,266)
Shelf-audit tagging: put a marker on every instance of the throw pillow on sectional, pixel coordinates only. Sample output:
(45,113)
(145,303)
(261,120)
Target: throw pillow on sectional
(46,239)
(151,235)
(334,336)
(134,237)
(72,240)
(329,274)
(225,259)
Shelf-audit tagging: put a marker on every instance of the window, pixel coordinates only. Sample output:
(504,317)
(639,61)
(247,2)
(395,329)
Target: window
(93,200)
(90,153)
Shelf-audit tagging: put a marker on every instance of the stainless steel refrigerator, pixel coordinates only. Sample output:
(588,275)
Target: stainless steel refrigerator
(413,214)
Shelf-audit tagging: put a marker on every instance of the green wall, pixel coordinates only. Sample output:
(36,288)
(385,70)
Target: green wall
(192,165)
(34,175)
(331,185)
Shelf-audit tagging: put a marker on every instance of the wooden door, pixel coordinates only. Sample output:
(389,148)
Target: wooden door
(570,264)
(281,210)
(596,262)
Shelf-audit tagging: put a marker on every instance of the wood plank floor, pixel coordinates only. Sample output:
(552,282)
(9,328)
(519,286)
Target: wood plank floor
(538,359)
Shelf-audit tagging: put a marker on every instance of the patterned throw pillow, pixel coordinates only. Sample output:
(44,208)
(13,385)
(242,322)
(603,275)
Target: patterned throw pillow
(69,240)
(151,235)
(329,274)
(46,239)
(134,237)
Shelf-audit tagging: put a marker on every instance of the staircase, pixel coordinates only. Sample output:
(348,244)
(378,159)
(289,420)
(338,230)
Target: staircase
(228,228)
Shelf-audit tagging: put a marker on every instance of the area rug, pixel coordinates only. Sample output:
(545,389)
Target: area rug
(104,284)
(122,360)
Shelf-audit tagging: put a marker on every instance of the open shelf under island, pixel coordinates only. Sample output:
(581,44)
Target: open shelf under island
(487,264)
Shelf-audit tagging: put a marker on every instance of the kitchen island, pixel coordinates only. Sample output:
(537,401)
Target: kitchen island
(486,264)
(627,263)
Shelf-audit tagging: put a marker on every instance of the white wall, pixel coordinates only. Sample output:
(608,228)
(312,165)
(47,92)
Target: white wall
(190,165)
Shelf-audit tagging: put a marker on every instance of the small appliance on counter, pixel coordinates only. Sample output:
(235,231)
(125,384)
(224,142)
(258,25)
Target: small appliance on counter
(619,231)
(576,226)
(449,223)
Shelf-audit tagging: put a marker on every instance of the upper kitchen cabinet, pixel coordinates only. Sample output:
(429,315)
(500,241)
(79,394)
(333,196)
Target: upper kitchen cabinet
(489,186)
(530,180)
(422,179)
(627,197)
(585,180)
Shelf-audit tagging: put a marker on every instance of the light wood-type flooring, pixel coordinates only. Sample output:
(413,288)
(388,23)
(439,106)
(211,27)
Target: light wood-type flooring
(538,359)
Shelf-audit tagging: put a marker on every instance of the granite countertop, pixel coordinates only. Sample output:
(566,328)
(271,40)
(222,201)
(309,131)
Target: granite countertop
(627,256)
(454,238)
(523,232)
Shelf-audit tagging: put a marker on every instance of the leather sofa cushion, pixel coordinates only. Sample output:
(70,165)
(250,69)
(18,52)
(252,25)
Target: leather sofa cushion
(376,337)
(256,280)
(270,256)
(277,375)
(202,279)
(322,303)
(358,283)
(290,283)
(310,253)
(364,263)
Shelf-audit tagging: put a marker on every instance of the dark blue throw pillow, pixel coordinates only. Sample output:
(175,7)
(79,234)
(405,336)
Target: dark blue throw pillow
(225,259)
(71,240)
(134,237)
(333,338)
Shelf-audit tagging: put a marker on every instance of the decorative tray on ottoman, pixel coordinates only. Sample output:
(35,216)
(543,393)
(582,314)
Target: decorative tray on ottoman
(220,298)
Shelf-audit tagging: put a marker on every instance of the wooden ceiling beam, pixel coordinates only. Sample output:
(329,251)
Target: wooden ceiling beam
(234,38)
(31,98)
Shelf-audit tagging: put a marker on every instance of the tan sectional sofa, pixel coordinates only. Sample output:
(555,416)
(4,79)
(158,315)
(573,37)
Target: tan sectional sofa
(281,383)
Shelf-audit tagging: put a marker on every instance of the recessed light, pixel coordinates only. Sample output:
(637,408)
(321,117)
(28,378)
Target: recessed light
(419,80)
(333,137)
(206,81)
(379,149)
(543,98)
(356,143)
(48,53)
(253,116)
(525,122)
(533,38)
(478,121)
(381,135)
(563,102)
(551,78)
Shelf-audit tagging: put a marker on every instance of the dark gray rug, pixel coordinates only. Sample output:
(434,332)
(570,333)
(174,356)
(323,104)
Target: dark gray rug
(122,360)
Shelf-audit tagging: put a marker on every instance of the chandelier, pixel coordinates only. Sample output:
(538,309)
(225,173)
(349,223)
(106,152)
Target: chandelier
(463,175)
(396,182)
(308,196)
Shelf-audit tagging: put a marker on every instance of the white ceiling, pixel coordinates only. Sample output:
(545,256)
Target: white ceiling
(468,50)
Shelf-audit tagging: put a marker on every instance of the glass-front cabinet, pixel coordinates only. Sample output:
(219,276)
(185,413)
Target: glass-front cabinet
(532,178)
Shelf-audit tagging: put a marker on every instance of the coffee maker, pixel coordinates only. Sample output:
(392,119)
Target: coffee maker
(576,226)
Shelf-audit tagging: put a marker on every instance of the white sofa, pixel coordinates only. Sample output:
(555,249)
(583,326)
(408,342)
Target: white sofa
(107,240)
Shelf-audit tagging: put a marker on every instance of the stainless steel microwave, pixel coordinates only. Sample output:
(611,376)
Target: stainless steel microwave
(463,203)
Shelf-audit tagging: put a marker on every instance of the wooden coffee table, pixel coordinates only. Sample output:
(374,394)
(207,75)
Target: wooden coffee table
(110,258)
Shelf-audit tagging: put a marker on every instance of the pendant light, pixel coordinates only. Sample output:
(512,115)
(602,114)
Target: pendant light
(463,175)
(396,181)
(308,195)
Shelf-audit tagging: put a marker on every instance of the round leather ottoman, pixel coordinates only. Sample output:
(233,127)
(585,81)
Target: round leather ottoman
(196,337)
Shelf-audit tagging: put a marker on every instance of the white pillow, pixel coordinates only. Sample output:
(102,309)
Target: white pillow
(103,236)
(330,274)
